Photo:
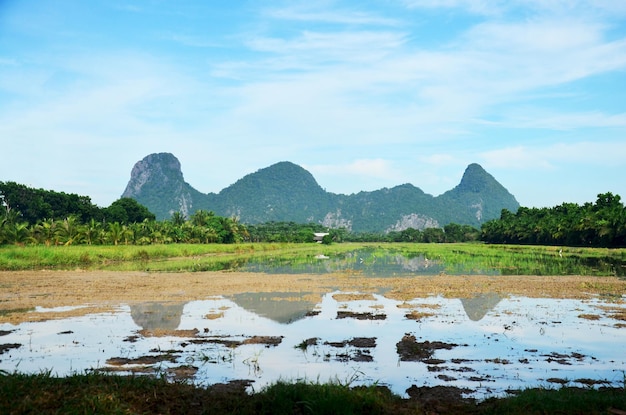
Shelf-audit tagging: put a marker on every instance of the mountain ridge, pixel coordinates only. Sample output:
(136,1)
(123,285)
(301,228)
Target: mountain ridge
(286,192)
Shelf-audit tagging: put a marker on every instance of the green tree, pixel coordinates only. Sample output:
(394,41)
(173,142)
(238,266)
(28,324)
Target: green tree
(91,231)
(433,235)
(15,232)
(127,210)
(116,233)
(177,219)
(69,230)
(47,232)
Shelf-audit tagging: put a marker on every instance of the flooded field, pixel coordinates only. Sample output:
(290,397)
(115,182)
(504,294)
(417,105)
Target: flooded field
(394,321)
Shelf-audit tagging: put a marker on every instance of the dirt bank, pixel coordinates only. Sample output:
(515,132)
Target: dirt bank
(101,290)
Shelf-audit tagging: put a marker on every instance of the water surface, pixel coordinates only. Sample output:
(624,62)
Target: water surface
(491,343)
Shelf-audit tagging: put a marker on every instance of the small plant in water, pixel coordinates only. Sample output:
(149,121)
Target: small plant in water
(253,363)
(304,344)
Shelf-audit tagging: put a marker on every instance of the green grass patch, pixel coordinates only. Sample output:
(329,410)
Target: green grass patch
(453,259)
(559,401)
(15,311)
(111,394)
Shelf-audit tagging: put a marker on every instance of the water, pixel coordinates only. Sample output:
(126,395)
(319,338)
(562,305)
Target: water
(493,343)
(384,262)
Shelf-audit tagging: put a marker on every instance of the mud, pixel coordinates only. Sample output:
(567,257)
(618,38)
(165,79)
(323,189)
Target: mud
(8,346)
(100,291)
(360,316)
(410,350)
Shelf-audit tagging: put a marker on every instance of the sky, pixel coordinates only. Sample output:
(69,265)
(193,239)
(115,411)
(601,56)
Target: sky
(363,94)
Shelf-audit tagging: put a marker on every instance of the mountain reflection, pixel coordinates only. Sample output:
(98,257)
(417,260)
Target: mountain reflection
(477,307)
(157,316)
(282,307)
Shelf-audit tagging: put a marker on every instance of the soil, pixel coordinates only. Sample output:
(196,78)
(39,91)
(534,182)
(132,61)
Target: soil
(410,350)
(100,291)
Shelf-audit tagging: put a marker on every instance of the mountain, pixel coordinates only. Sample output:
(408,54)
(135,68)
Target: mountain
(157,181)
(286,192)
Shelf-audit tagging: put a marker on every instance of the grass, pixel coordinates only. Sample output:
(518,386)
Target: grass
(457,258)
(109,394)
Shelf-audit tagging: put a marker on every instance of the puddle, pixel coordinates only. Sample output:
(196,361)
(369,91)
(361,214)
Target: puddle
(487,344)
(384,262)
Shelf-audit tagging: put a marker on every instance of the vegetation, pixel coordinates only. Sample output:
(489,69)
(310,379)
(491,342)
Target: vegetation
(285,232)
(31,216)
(107,394)
(129,223)
(59,219)
(600,224)
(452,259)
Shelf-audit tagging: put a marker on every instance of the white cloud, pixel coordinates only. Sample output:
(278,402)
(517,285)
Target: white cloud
(325,80)
(518,157)
(313,13)
(364,169)
(440,159)
(493,8)
(549,119)
(553,156)
(481,7)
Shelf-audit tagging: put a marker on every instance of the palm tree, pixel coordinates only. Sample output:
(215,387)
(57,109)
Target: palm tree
(47,232)
(115,232)
(70,230)
(201,217)
(91,231)
(16,233)
(177,219)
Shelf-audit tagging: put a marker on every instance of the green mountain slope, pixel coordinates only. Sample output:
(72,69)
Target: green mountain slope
(287,192)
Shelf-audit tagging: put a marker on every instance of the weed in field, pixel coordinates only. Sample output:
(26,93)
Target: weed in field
(304,344)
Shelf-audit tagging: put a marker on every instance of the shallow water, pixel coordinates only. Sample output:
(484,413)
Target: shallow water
(385,262)
(492,343)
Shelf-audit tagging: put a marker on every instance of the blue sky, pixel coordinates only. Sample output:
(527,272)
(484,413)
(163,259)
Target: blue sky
(363,94)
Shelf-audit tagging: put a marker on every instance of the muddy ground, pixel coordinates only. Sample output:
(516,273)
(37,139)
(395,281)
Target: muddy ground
(98,291)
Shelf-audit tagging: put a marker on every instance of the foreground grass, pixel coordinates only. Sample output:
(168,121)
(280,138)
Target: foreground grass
(107,394)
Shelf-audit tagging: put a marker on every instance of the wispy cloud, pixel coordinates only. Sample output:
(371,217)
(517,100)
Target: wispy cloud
(192,40)
(490,64)
(547,157)
(311,12)
(370,174)
(478,7)
(496,8)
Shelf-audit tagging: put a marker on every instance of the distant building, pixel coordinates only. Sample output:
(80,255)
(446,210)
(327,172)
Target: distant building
(319,236)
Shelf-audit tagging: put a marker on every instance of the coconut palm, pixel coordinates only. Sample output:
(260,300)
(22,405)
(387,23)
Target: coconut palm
(16,232)
(69,230)
(91,231)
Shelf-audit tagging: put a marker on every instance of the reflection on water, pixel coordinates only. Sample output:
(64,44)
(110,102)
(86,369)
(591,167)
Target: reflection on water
(477,307)
(491,343)
(157,316)
(279,307)
(384,262)
(366,262)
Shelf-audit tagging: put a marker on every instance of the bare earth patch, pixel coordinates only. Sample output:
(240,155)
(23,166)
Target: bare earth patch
(342,297)
(417,315)
(104,290)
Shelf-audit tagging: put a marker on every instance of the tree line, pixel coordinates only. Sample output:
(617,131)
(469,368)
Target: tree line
(201,227)
(599,224)
(36,216)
